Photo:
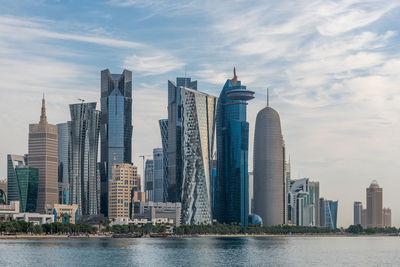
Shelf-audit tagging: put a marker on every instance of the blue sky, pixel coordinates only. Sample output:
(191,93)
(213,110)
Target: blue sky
(333,68)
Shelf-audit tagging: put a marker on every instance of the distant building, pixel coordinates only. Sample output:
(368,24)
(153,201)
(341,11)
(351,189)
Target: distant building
(12,212)
(22,183)
(164,140)
(364,218)
(270,195)
(42,154)
(251,193)
(64,213)
(83,168)
(3,192)
(322,212)
(330,210)
(387,217)
(123,184)
(374,205)
(63,130)
(158,210)
(314,193)
(232,131)
(302,206)
(149,180)
(357,212)
(6,211)
(158,175)
(115,126)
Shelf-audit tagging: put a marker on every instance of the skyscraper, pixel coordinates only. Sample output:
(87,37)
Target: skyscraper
(22,183)
(329,214)
(158,175)
(175,164)
(303,199)
(198,128)
(42,154)
(232,182)
(149,179)
(63,162)
(164,140)
(374,205)
(270,195)
(314,193)
(357,212)
(84,175)
(115,127)
(387,217)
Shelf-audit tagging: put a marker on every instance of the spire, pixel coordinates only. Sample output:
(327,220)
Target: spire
(43,118)
(267,97)
(234,79)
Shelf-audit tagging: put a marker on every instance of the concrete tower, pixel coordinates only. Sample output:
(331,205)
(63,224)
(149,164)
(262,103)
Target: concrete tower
(269,168)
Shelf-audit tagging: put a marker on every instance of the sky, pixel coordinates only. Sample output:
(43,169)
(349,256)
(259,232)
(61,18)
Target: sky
(333,69)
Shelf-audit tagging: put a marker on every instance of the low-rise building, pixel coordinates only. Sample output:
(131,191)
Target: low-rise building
(158,211)
(35,218)
(64,213)
(3,192)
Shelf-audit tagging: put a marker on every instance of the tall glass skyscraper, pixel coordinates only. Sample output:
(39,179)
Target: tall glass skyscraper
(63,163)
(115,127)
(22,183)
(84,175)
(149,180)
(158,175)
(164,140)
(175,148)
(231,201)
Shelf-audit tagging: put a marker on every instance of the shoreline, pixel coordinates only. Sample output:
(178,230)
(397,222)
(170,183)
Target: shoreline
(28,236)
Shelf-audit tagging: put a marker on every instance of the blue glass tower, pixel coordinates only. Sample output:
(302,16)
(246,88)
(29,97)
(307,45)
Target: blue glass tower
(231,200)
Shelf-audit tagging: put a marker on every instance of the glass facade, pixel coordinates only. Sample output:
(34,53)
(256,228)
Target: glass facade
(231,200)
(63,163)
(83,167)
(158,175)
(22,183)
(164,140)
(115,127)
(149,180)
(331,209)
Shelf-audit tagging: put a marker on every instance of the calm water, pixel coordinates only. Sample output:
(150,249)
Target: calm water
(253,251)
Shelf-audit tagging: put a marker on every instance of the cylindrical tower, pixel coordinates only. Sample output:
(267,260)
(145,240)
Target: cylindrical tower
(269,166)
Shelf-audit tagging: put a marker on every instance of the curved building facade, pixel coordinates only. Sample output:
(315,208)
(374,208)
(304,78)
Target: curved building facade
(269,168)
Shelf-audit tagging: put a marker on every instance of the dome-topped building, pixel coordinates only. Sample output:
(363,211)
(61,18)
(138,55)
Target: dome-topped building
(269,168)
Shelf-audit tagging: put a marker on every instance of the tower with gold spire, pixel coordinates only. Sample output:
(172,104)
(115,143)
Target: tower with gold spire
(42,154)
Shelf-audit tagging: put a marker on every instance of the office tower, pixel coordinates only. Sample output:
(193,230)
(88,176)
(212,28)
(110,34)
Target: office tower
(63,130)
(387,217)
(374,205)
(149,179)
(303,197)
(164,140)
(251,192)
(158,175)
(175,164)
(328,213)
(3,192)
(364,218)
(357,212)
(232,183)
(42,154)
(22,182)
(115,127)
(84,175)
(198,128)
(314,194)
(270,196)
(122,185)
(322,212)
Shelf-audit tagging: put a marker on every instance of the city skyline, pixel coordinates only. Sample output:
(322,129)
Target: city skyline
(340,132)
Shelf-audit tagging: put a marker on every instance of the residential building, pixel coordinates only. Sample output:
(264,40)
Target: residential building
(374,205)
(124,183)
(357,212)
(23,182)
(158,210)
(3,192)
(270,196)
(314,193)
(174,137)
(387,217)
(232,182)
(158,175)
(330,213)
(42,154)
(149,180)
(364,218)
(164,140)
(83,168)
(64,213)
(116,126)
(63,130)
